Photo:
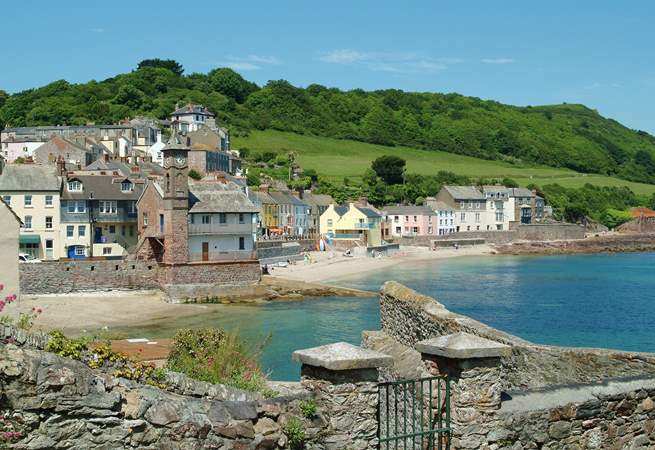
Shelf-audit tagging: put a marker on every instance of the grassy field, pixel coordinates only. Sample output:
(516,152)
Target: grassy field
(336,159)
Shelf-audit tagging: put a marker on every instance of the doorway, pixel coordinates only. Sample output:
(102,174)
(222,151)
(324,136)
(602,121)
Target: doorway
(205,251)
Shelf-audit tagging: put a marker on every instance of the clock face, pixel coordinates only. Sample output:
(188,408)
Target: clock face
(180,160)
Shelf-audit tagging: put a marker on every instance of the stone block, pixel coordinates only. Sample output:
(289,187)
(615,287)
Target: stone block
(342,356)
(462,346)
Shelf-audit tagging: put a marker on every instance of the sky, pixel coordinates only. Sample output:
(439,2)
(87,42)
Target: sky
(595,52)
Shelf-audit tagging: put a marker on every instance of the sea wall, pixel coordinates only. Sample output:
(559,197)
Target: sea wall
(611,243)
(410,317)
(57,277)
(638,225)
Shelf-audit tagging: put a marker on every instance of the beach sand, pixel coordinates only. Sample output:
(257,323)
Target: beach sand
(80,313)
(332,266)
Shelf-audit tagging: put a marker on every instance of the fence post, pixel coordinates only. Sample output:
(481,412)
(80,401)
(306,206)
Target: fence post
(473,366)
(343,379)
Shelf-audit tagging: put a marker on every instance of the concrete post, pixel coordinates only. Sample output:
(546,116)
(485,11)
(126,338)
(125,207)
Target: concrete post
(472,364)
(343,379)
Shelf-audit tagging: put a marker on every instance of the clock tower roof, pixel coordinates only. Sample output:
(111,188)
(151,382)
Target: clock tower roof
(177,141)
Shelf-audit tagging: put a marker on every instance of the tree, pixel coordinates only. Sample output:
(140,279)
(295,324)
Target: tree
(169,64)
(231,84)
(508,182)
(193,174)
(645,160)
(390,168)
(377,126)
(575,212)
(3,97)
(253,178)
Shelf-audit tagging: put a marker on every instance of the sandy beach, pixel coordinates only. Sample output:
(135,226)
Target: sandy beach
(81,312)
(330,267)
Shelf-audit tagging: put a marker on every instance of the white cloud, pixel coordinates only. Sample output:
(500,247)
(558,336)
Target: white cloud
(237,65)
(597,85)
(498,60)
(250,62)
(97,30)
(407,62)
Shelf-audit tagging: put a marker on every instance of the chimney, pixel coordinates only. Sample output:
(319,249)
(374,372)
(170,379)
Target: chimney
(61,166)
(106,157)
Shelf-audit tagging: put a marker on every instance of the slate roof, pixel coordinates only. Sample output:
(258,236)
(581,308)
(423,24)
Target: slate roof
(192,109)
(261,197)
(103,187)
(281,198)
(219,197)
(368,212)
(341,210)
(465,192)
(29,177)
(520,192)
(493,188)
(441,206)
(125,169)
(317,199)
(408,210)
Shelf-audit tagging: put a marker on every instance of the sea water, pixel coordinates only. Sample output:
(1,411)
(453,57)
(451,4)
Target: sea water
(596,300)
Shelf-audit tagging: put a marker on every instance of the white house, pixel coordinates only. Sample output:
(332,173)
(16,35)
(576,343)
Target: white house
(190,117)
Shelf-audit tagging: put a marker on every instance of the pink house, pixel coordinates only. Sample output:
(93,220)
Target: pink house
(410,221)
(13,148)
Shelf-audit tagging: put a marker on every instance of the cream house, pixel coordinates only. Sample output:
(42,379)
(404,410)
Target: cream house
(33,193)
(10,226)
(352,223)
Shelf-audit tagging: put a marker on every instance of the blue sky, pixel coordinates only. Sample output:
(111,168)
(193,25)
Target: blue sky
(595,52)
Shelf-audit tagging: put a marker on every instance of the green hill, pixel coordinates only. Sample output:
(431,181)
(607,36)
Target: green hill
(339,158)
(562,136)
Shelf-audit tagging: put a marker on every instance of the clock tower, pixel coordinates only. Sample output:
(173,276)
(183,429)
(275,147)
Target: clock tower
(176,200)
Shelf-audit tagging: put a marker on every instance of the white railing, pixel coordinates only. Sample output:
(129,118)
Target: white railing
(232,255)
(221,228)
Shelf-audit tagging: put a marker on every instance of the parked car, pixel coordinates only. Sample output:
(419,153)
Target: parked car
(27,258)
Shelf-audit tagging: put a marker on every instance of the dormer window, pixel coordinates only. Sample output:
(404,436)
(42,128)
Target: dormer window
(126,186)
(75,186)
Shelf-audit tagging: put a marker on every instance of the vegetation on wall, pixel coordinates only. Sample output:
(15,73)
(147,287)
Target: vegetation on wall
(571,136)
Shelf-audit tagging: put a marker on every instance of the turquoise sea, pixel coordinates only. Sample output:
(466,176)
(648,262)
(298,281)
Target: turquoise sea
(582,300)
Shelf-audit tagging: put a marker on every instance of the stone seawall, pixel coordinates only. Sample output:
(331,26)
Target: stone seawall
(597,244)
(60,277)
(410,317)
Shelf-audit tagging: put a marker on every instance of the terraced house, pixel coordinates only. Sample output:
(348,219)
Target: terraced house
(356,225)
(410,221)
(98,215)
(470,207)
(33,194)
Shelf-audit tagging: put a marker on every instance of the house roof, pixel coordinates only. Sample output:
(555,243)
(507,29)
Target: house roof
(495,188)
(29,177)
(464,192)
(219,197)
(260,197)
(4,204)
(177,141)
(192,109)
(368,212)
(57,145)
(341,210)
(103,187)
(317,199)
(281,197)
(204,138)
(141,169)
(520,192)
(642,212)
(441,206)
(411,210)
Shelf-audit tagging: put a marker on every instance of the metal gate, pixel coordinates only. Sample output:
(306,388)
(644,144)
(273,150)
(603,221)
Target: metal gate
(414,414)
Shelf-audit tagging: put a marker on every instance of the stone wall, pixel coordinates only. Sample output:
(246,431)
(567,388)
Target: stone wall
(64,404)
(56,277)
(550,232)
(409,317)
(638,225)
(76,276)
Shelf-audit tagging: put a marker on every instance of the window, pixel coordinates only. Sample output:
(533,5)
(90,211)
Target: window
(132,230)
(131,207)
(106,251)
(126,186)
(108,207)
(75,186)
(470,205)
(81,230)
(329,223)
(462,205)
(415,229)
(406,218)
(463,217)
(241,218)
(499,217)
(28,200)
(49,248)
(76,206)
(48,223)
(27,223)
(112,229)
(206,220)
(477,205)
(48,200)
(222,218)
(429,219)
(414,218)
(145,219)
(79,250)
(477,217)
(395,219)
(242,243)
(70,231)
(123,229)
(161,223)
(7,199)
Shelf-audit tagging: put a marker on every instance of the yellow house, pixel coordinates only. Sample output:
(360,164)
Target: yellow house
(269,211)
(354,223)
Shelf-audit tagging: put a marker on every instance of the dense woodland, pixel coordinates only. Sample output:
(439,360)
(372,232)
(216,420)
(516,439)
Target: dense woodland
(571,136)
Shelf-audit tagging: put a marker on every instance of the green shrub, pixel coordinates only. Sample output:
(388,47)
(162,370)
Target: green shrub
(66,347)
(308,408)
(193,173)
(216,356)
(295,432)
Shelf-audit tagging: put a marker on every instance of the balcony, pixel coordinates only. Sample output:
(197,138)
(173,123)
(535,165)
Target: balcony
(223,256)
(220,228)
(364,226)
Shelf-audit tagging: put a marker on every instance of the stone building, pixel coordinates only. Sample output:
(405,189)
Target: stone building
(79,153)
(209,220)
